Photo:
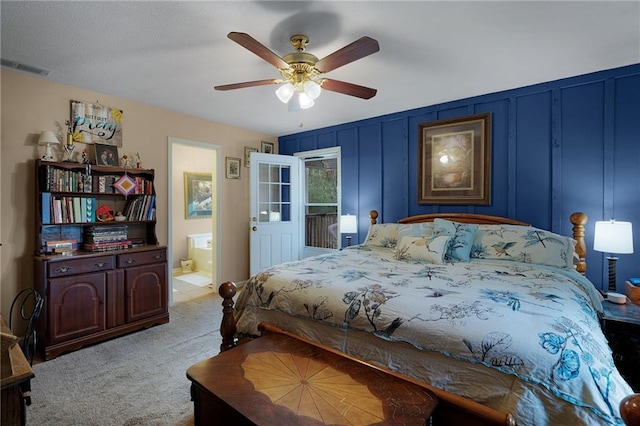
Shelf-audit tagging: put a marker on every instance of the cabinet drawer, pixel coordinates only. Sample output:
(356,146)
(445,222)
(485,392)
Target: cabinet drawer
(80,266)
(141,258)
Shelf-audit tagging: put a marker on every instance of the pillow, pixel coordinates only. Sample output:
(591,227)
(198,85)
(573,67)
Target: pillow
(523,244)
(461,237)
(430,249)
(383,235)
(424,229)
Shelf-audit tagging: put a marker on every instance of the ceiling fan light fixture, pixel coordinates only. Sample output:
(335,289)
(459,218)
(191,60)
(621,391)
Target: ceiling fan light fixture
(294,102)
(285,92)
(305,100)
(312,89)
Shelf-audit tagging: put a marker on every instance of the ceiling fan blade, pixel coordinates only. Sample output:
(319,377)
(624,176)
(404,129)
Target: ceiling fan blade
(351,52)
(253,45)
(349,89)
(247,84)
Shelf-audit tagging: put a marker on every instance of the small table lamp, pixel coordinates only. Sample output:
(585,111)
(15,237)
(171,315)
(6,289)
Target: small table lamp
(47,138)
(615,238)
(348,225)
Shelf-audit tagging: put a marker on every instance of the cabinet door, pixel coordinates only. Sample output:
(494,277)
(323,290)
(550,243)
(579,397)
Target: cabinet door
(146,291)
(76,306)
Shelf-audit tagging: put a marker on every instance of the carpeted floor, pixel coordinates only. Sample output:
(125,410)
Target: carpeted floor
(135,380)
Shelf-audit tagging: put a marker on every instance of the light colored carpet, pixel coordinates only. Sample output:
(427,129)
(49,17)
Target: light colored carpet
(201,279)
(135,380)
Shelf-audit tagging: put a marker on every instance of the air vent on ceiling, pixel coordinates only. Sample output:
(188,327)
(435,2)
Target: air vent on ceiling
(23,67)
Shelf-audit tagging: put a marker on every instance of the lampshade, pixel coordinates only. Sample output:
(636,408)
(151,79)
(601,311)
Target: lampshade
(48,137)
(613,237)
(299,95)
(348,224)
(285,92)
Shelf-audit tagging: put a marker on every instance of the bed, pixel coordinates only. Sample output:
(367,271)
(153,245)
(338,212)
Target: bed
(484,307)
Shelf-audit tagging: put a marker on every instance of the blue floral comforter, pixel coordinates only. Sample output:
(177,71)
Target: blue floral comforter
(535,322)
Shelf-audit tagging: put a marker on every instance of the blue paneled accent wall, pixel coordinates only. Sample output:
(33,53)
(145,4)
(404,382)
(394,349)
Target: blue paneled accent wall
(557,148)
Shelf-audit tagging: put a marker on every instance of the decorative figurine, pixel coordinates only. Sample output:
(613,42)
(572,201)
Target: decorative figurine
(85,156)
(138,161)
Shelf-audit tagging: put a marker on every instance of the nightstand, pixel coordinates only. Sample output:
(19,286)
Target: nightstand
(621,326)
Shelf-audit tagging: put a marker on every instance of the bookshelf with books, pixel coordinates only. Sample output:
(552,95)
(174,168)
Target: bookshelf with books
(97,259)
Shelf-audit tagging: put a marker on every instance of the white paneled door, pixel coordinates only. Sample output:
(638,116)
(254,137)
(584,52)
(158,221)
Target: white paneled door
(274,216)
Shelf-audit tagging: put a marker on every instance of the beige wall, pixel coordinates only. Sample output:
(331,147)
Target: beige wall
(31,105)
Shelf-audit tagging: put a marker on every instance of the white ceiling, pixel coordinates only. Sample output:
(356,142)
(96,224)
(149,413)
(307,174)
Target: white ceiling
(171,54)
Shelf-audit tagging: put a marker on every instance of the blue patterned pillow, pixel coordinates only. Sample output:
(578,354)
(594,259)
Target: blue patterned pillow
(461,237)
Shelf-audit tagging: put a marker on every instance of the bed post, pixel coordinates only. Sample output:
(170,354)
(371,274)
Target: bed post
(579,219)
(373,217)
(228,326)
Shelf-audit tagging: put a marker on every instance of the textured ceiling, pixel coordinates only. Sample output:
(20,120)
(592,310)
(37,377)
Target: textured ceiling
(171,54)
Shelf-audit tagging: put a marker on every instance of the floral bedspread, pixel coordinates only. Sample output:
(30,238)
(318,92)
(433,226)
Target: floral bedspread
(536,322)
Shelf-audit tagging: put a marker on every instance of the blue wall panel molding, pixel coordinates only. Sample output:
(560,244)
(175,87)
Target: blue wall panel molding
(557,147)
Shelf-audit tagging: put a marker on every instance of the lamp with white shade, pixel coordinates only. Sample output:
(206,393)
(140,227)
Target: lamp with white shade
(613,237)
(48,138)
(348,225)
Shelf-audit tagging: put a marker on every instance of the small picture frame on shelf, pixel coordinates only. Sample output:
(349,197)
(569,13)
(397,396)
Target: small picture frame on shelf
(247,155)
(107,155)
(267,147)
(232,168)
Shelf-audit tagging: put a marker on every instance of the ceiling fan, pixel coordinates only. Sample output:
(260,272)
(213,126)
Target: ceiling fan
(302,72)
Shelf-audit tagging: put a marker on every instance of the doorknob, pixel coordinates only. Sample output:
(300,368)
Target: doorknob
(255,228)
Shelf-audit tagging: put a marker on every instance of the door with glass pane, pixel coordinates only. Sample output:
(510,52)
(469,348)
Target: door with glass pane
(320,200)
(274,233)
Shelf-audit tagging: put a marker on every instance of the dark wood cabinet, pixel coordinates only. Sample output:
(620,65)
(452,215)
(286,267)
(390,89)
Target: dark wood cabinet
(76,306)
(621,325)
(95,291)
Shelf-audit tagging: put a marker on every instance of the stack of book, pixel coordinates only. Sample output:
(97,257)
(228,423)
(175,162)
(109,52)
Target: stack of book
(106,238)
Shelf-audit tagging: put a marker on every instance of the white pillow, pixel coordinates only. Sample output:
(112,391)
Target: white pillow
(429,249)
(383,235)
(523,244)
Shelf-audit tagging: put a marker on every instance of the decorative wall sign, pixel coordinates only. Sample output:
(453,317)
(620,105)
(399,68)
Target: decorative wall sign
(198,199)
(96,123)
(454,161)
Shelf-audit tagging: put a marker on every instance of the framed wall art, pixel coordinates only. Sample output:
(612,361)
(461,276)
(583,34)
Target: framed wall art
(232,167)
(454,161)
(107,155)
(198,200)
(247,155)
(267,147)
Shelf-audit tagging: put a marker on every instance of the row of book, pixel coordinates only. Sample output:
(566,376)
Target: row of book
(106,238)
(67,209)
(63,209)
(53,179)
(140,208)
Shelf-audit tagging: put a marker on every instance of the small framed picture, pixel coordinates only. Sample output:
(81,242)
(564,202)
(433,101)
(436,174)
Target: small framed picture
(232,168)
(107,155)
(267,147)
(247,155)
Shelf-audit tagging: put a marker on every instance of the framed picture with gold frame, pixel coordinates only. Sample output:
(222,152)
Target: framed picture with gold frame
(454,161)
(232,167)
(198,198)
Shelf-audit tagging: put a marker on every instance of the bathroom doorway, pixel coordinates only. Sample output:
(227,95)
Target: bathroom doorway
(193,217)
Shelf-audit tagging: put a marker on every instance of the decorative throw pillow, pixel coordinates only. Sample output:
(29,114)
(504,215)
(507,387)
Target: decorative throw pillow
(424,229)
(383,235)
(523,244)
(430,249)
(461,237)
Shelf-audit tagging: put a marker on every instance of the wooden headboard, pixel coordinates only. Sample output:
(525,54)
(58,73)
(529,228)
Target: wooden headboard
(578,220)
